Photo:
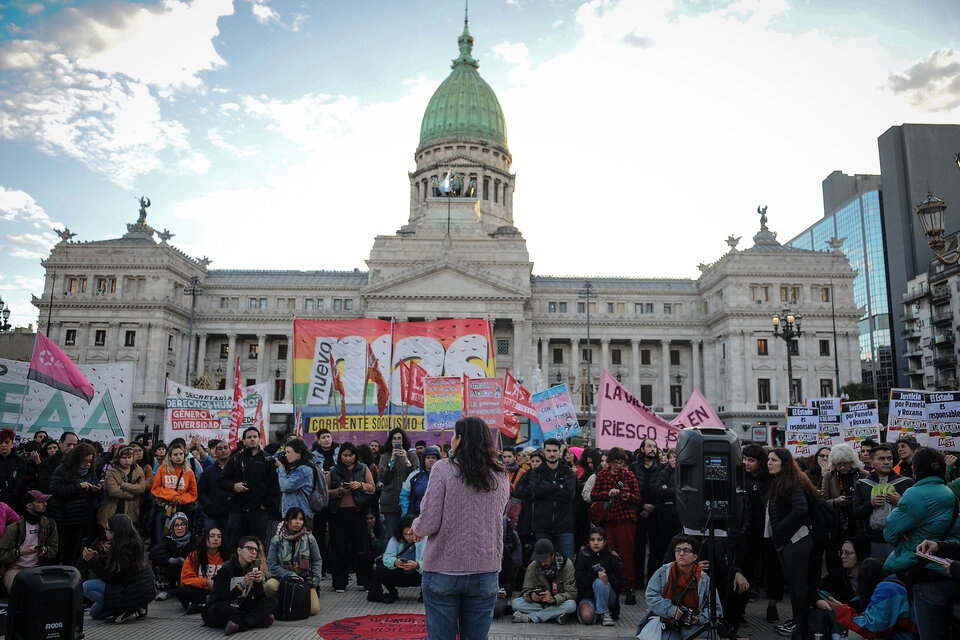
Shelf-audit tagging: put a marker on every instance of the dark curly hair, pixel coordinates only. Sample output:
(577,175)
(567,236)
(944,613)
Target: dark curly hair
(475,457)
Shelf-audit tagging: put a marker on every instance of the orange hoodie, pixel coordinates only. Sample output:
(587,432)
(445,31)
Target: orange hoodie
(189,575)
(165,485)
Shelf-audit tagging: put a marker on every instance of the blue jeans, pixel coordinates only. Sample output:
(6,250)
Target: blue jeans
(542,613)
(562,542)
(390,522)
(459,604)
(933,603)
(603,598)
(93,590)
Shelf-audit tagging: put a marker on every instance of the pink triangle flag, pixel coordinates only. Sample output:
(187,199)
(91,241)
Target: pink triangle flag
(624,421)
(51,366)
(697,413)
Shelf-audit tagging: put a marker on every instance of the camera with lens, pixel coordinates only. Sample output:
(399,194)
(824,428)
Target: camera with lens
(688,617)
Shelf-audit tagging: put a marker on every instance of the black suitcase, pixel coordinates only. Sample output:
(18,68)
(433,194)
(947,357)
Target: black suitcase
(46,603)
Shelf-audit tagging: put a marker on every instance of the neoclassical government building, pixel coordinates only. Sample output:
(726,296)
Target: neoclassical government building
(460,253)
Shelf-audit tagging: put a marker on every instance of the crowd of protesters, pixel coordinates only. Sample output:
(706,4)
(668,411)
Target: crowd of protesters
(555,533)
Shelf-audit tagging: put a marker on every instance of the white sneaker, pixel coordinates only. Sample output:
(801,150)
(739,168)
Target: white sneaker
(520,617)
(606,620)
(163,595)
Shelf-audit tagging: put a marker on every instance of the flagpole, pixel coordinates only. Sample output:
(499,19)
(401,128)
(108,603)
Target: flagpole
(366,380)
(389,384)
(26,386)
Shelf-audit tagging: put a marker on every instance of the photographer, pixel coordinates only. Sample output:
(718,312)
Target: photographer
(678,594)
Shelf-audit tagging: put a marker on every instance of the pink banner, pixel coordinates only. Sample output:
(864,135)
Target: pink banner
(697,413)
(51,366)
(483,398)
(624,421)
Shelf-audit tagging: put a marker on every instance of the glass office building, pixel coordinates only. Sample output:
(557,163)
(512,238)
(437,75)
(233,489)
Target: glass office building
(856,219)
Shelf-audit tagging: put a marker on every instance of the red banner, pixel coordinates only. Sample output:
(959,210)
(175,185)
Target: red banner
(517,399)
(237,413)
(373,373)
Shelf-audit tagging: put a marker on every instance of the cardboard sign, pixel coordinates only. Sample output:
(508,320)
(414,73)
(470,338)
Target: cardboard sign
(557,416)
(442,402)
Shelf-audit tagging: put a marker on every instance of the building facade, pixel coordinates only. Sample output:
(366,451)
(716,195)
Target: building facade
(460,254)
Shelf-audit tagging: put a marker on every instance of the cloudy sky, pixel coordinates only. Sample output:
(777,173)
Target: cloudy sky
(278,134)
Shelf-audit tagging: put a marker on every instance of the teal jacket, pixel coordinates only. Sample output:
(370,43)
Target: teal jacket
(924,513)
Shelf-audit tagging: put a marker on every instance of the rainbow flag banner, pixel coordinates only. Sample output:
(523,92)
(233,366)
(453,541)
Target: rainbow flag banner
(455,347)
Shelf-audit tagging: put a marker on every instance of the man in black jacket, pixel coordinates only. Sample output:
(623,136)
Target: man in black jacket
(68,440)
(250,479)
(213,499)
(647,468)
(12,470)
(552,485)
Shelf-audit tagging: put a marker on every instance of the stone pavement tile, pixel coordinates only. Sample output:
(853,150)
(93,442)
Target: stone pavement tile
(167,621)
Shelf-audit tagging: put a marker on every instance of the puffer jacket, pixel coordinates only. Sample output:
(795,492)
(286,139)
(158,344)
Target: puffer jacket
(787,515)
(118,489)
(70,504)
(925,512)
(552,491)
(392,476)
(127,588)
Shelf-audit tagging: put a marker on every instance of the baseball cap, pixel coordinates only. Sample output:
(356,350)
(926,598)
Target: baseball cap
(542,550)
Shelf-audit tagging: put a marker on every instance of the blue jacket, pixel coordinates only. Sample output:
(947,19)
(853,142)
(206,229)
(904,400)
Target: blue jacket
(394,548)
(889,614)
(662,607)
(212,499)
(295,488)
(924,513)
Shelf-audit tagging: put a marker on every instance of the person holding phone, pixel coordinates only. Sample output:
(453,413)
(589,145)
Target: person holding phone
(600,579)
(123,587)
(396,463)
(238,601)
(400,566)
(549,587)
(351,487)
(75,490)
(29,542)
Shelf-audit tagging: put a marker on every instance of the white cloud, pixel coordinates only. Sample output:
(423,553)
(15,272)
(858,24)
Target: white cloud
(216,139)
(31,245)
(20,205)
(933,83)
(263,12)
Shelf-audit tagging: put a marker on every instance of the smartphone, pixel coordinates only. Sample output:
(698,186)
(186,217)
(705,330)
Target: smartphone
(598,567)
(824,595)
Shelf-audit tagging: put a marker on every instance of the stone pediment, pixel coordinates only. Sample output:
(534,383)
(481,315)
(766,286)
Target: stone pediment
(447,278)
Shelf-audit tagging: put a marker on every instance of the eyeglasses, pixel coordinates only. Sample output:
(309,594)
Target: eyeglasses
(253,549)
(824,456)
(683,551)
(843,553)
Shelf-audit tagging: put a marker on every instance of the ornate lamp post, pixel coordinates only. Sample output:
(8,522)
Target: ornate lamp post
(587,293)
(193,291)
(5,314)
(931,213)
(786,325)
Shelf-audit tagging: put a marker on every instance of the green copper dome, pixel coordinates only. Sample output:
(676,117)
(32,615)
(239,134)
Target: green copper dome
(464,105)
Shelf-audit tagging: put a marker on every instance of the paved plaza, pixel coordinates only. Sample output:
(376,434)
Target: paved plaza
(167,621)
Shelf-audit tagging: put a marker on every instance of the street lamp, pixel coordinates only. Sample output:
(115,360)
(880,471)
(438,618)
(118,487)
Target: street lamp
(587,293)
(931,213)
(5,314)
(786,325)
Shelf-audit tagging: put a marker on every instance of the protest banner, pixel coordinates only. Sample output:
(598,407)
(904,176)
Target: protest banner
(697,412)
(556,414)
(483,398)
(41,407)
(761,434)
(944,436)
(802,442)
(908,403)
(803,418)
(943,406)
(205,413)
(854,436)
(624,421)
(452,348)
(828,431)
(908,427)
(826,406)
(861,413)
(442,402)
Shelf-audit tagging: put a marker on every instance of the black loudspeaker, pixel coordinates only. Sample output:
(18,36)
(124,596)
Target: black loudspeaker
(46,603)
(710,479)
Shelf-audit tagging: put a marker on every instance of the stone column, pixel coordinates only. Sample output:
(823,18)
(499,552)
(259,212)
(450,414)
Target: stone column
(635,366)
(665,374)
(201,355)
(289,375)
(604,355)
(544,355)
(261,357)
(695,374)
(517,349)
(574,361)
(231,360)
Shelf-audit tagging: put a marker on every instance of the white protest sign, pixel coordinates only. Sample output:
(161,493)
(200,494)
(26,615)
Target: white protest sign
(854,436)
(908,403)
(861,413)
(803,418)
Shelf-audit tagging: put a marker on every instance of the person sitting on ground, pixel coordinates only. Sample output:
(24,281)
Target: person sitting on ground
(199,569)
(401,565)
(30,541)
(124,584)
(889,613)
(377,533)
(549,587)
(169,555)
(238,601)
(294,554)
(679,590)
(600,579)
(838,587)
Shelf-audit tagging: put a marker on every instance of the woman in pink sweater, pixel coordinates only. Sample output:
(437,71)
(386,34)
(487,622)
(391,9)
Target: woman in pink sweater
(461,515)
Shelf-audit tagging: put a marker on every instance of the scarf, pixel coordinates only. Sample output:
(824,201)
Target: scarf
(294,550)
(512,468)
(553,570)
(32,518)
(184,540)
(677,584)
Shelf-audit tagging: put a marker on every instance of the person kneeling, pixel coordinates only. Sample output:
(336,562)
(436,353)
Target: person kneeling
(199,570)
(238,601)
(401,565)
(599,575)
(124,585)
(549,587)
(295,555)
(678,595)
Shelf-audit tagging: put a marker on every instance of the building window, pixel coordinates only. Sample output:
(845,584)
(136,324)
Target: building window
(263,303)
(615,357)
(644,356)
(789,294)
(337,304)
(347,304)
(486,188)
(638,308)
(646,394)
(557,355)
(224,302)
(224,350)
(621,308)
(253,303)
(824,294)
(100,337)
(279,390)
(562,307)
(794,347)
(609,307)
(796,390)
(551,307)
(250,382)
(582,307)
(71,337)
(763,390)
(667,309)
(676,395)
(675,357)
(222,384)
(130,339)
(308,304)
(253,351)
(319,304)
(826,388)
(503,347)
(587,354)
(169,342)
(759,293)
(106,285)
(291,303)
(824,347)
(282,351)
(762,349)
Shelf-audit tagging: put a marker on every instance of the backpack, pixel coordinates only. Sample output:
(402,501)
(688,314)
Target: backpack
(318,497)
(824,521)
